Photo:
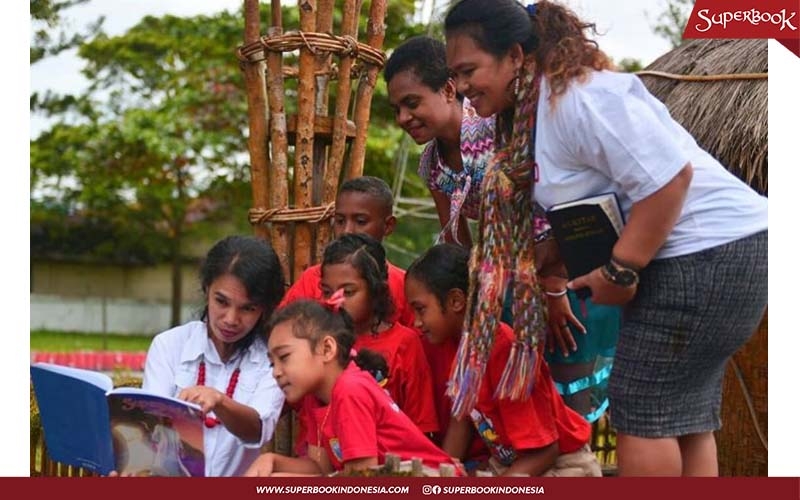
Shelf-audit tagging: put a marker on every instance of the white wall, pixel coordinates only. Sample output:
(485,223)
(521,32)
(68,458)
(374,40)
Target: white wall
(85,314)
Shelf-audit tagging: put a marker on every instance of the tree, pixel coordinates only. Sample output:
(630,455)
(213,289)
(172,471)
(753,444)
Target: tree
(671,22)
(162,124)
(629,65)
(48,15)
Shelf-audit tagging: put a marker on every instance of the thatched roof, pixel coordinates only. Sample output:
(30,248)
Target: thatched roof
(728,118)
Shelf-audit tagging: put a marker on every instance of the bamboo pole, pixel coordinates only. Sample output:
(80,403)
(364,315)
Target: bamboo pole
(279,191)
(323,60)
(334,170)
(349,28)
(366,86)
(304,142)
(339,135)
(323,63)
(257,111)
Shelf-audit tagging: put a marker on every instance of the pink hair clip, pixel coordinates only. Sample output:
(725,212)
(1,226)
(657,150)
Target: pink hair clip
(335,301)
(353,353)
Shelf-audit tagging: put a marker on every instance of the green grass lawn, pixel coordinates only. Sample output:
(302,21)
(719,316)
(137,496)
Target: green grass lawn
(48,340)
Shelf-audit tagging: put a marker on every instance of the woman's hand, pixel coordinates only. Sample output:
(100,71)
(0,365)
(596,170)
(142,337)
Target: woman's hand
(603,291)
(559,315)
(263,466)
(206,397)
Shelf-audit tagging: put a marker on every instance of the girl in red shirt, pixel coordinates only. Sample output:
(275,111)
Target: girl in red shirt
(356,264)
(537,436)
(354,422)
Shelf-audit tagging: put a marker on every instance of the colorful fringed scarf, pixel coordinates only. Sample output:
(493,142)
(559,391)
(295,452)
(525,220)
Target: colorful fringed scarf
(504,255)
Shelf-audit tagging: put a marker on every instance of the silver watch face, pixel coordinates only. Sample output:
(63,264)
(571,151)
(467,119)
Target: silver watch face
(620,275)
(625,277)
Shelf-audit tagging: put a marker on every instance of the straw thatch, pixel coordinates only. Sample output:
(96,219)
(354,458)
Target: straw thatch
(727,117)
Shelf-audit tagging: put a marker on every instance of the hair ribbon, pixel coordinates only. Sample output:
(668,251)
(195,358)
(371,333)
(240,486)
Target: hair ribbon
(335,301)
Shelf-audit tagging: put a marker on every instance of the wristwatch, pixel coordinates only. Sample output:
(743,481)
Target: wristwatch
(620,275)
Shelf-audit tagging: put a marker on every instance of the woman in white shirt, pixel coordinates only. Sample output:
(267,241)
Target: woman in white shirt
(690,266)
(220,362)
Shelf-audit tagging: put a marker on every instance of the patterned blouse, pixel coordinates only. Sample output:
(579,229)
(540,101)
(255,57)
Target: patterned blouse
(477,147)
(464,187)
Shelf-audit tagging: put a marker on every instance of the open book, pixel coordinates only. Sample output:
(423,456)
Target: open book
(87,423)
(586,231)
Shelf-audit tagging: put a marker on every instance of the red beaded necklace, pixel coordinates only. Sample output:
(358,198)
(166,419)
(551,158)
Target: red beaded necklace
(201,380)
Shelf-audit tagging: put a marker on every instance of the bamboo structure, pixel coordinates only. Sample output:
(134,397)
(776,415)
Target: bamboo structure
(307,131)
(316,137)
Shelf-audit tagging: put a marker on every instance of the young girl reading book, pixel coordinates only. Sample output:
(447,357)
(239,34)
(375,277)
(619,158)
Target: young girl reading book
(537,436)
(353,422)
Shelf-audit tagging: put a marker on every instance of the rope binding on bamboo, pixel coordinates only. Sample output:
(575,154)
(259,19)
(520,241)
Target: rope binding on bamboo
(258,216)
(316,43)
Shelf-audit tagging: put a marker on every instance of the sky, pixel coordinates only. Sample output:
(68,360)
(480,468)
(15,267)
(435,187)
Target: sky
(628,35)
(618,22)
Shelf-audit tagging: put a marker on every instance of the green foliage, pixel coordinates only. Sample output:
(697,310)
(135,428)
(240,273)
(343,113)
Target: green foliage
(48,15)
(629,65)
(671,22)
(163,125)
(164,121)
(56,234)
(48,340)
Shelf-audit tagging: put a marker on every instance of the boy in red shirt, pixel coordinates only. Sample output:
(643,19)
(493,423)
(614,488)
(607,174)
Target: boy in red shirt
(537,436)
(363,205)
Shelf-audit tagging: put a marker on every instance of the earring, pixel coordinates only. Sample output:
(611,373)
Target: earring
(513,87)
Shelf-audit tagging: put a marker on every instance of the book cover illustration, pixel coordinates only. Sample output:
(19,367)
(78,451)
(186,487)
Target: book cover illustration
(89,424)
(152,436)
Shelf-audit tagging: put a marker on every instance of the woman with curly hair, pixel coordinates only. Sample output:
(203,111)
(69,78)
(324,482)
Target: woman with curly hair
(689,267)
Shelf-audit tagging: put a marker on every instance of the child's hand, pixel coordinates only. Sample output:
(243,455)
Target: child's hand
(206,397)
(114,473)
(262,467)
(559,316)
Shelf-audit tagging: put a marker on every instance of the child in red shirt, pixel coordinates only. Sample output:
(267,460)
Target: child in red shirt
(356,264)
(363,205)
(354,423)
(538,436)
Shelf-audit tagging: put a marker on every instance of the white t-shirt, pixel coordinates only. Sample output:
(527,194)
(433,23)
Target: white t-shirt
(172,364)
(611,135)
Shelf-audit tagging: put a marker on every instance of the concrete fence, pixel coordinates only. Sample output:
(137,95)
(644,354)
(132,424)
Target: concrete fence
(97,314)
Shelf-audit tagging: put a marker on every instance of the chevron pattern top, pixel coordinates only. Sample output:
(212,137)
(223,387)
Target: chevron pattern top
(477,147)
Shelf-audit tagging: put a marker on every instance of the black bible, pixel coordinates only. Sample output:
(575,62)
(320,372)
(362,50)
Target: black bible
(586,231)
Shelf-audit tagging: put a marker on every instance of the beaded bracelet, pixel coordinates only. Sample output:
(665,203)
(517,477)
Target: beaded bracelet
(556,294)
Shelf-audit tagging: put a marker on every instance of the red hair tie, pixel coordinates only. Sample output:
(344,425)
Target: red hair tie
(335,301)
